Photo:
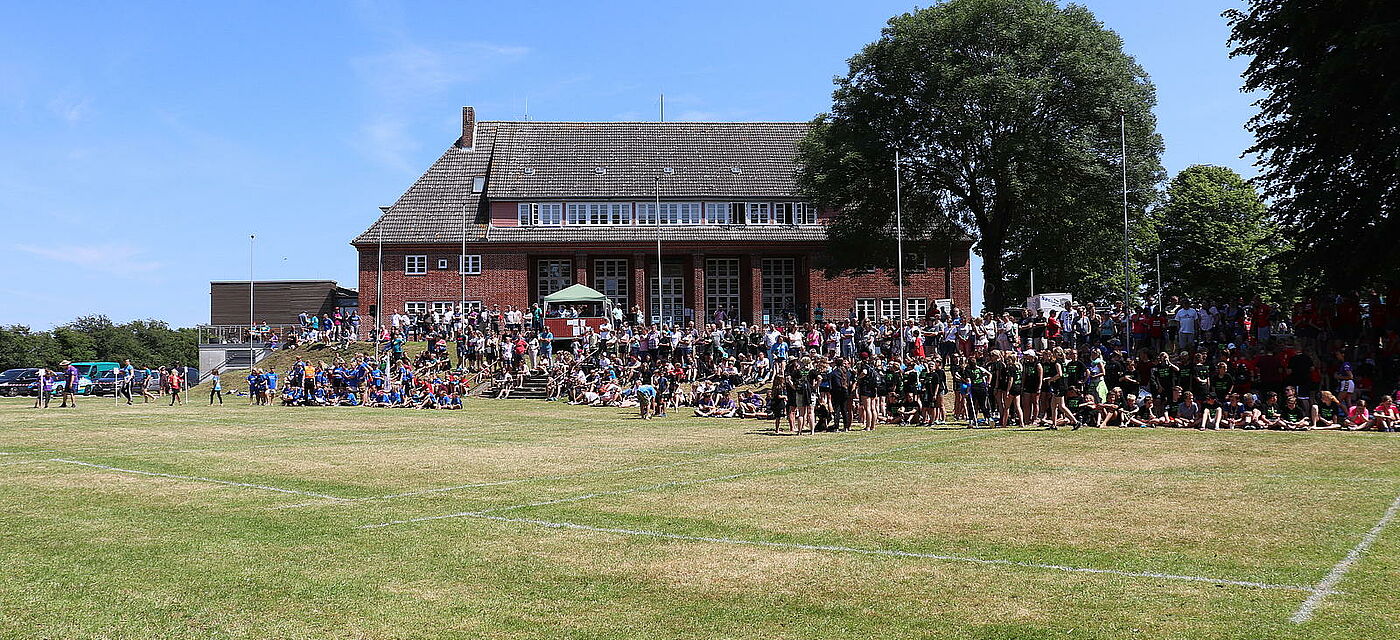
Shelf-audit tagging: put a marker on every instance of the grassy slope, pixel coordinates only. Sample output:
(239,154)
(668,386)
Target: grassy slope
(91,553)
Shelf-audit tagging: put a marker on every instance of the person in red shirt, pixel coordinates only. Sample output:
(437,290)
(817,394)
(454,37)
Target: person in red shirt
(1262,321)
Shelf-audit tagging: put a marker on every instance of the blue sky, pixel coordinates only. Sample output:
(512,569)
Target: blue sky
(141,143)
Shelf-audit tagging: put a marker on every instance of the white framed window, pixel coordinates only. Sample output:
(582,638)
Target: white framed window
(760,213)
(889,308)
(779,284)
(471,265)
(865,308)
(680,213)
(918,307)
(944,305)
(718,213)
(646,212)
(599,212)
(782,212)
(415,310)
(803,213)
(444,308)
(415,265)
(612,277)
(442,263)
(553,275)
(722,286)
(472,305)
(915,262)
(540,213)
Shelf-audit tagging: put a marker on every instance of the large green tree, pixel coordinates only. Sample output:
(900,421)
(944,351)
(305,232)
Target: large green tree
(1327,135)
(1217,237)
(1007,112)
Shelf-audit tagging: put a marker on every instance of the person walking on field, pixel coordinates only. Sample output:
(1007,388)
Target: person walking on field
(216,388)
(176,386)
(71,376)
(124,376)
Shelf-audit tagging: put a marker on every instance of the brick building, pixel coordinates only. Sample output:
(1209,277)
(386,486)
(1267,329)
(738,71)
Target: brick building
(543,205)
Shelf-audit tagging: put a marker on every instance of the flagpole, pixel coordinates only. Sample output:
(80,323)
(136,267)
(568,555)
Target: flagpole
(899,235)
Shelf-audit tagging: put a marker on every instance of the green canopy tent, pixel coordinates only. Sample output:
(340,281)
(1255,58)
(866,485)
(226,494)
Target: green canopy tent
(578,294)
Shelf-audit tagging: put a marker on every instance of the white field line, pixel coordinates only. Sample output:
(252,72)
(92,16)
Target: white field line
(1333,577)
(897,554)
(14,464)
(672,484)
(196,479)
(1176,472)
(586,474)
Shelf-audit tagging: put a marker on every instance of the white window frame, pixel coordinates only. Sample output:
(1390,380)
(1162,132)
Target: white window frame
(415,310)
(613,277)
(889,309)
(758,213)
(645,213)
(471,265)
(782,213)
(415,265)
(804,213)
(718,213)
(472,305)
(918,307)
(865,308)
(680,213)
(564,279)
(442,263)
(599,213)
(723,286)
(539,214)
(440,307)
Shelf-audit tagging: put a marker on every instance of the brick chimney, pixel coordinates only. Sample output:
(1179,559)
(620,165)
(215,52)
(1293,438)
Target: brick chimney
(468,138)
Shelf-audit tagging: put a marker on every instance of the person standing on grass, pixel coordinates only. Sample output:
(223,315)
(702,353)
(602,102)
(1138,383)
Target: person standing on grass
(71,376)
(216,388)
(122,378)
(177,382)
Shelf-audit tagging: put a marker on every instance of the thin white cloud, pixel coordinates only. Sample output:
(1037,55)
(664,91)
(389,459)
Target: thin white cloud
(115,259)
(410,71)
(71,110)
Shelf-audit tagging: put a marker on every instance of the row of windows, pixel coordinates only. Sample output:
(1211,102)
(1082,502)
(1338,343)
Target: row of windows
(418,265)
(889,307)
(418,309)
(645,213)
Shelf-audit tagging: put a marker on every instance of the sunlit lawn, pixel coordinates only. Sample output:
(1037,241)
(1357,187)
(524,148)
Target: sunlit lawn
(525,519)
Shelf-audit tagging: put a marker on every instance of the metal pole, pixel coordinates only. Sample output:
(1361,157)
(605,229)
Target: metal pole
(899,236)
(379,285)
(251,312)
(462,263)
(658,249)
(1127,288)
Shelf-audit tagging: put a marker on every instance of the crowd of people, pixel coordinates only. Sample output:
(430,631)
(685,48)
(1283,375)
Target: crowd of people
(1332,362)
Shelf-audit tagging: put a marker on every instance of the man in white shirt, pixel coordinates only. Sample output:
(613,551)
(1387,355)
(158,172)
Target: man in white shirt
(1186,318)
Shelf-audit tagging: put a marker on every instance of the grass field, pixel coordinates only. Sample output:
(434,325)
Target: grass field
(522,519)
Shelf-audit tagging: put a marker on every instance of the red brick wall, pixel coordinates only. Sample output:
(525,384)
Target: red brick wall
(505,278)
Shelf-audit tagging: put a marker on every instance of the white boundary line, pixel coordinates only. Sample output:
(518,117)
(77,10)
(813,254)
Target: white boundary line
(668,485)
(1333,577)
(1177,472)
(195,478)
(898,554)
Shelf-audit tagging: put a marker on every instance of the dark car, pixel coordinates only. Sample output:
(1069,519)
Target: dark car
(18,382)
(107,384)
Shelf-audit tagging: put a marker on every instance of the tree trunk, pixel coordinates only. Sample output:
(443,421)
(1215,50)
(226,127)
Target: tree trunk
(993,272)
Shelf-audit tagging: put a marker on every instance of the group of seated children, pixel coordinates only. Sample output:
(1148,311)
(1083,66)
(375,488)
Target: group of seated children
(1238,411)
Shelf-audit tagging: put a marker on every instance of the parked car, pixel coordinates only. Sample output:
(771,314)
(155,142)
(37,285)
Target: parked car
(90,371)
(18,382)
(107,384)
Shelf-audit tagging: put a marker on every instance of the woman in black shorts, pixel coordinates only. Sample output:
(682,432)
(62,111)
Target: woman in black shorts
(1032,372)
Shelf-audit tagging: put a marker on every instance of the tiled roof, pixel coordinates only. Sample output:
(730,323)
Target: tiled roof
(430,212)
(643,233)
(703,156)
(719,160)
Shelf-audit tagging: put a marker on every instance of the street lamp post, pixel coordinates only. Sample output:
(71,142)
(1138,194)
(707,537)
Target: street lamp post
(899,236)
(1127,287)
(251,312)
